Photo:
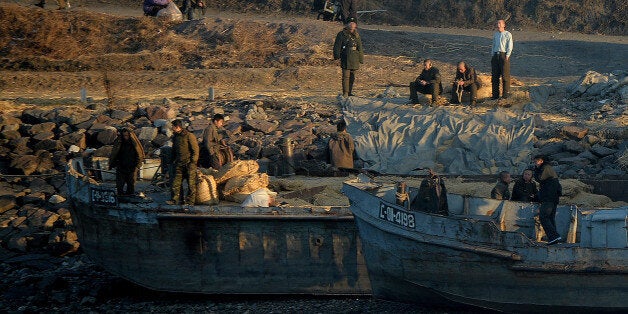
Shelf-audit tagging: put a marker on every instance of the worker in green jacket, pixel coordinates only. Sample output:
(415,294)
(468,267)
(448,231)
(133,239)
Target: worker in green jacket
(348,48)
(184,158)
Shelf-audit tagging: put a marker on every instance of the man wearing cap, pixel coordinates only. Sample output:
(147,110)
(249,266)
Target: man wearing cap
(184,159)
(500,61)
(348,48)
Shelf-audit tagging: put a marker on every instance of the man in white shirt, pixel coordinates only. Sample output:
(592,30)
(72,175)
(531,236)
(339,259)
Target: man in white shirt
(500,62)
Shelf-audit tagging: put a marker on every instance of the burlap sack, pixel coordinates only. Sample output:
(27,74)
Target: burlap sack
(206,190)
(236,168)
(245,184)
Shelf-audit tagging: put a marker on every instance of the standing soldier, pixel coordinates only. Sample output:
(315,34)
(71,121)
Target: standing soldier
(127,156)
(348,48)
(184,159)
(500,62)
(341,147)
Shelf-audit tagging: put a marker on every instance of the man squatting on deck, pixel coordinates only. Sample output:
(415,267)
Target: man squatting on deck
(126,156)
(184,159)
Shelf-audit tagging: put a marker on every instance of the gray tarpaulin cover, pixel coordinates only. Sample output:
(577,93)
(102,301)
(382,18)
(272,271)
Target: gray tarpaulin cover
(394,138)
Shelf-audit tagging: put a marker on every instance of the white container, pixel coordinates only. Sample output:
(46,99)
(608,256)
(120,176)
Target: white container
(149,168)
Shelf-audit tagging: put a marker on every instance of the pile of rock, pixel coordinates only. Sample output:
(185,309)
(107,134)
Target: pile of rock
(36,143)
(575,151)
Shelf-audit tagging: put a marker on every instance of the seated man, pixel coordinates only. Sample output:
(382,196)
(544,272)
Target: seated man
(466,80)
(432,197)
(501,191)
(428,82)
(525,189)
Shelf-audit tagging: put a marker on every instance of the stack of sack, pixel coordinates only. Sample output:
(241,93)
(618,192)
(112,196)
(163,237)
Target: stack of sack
(238,181)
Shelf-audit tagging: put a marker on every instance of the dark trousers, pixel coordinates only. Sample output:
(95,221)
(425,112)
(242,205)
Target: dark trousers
(349,9)
(184,172)
(432,89)
(547,216)
(127,177)
(500,68)
(348,77)
(472,89)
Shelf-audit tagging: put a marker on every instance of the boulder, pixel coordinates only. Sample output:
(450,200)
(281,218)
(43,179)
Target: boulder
(121,115)
(33,116)
(575,131)
(147,133)
(18,243)
(7,202)
(8,121)
(98,108)
(49,145)
(591,83)
(325,130)
(62,243)
(104,151)
(43,136)
(10,134)
(107,136)
(588,155)
(574,146)
(154,113)
(74,117)
(36,198)
(261,125)
(602,151)
(551,148)
(25,164)
(40,185)
(76,138)
(20,146)
(46,127)
(160,140)
(160,123)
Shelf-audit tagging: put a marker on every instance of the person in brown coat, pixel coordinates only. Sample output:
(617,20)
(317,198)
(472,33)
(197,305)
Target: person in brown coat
(341,147)
(466,80)
(215,152)
(126,156)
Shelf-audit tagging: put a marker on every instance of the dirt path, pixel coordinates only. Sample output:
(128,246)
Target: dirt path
(391,51)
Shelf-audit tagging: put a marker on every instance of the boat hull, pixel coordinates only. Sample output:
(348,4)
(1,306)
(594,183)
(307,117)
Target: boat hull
(432,268)
(221,249)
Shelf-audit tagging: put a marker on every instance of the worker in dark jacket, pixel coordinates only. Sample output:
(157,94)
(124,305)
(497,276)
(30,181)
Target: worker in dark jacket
(466,80)
(428,82)
(549,194)
(184,158)
(341,147)
(126,156)
(348,48)
(432,196)
(215,152)
(525,189)
(501,191)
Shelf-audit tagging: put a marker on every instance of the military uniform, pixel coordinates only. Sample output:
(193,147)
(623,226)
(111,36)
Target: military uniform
(184,158)
(210,156)
(471,85)
(127,158)
(433,86)
(348,48)
(341,148)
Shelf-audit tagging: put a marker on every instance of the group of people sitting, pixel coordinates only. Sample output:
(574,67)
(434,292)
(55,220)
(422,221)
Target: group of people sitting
(525,190)
(429,82)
